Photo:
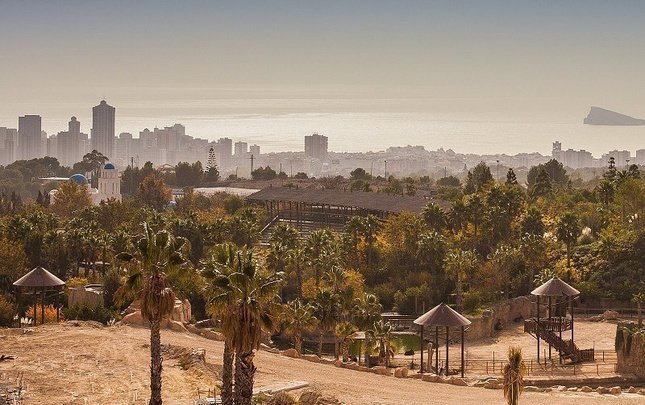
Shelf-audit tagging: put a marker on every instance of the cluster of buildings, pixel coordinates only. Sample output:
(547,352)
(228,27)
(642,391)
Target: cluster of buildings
(578,159)
(170,145)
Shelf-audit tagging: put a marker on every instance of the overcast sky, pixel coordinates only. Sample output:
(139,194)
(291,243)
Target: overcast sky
(457,49)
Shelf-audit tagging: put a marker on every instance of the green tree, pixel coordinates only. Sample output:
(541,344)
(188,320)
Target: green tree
(156,254)
(459,265)
(382,334)
(434,216)
(555,171)
(511,178)
(189,175)
(298,317)
(70,198)
(541,187)
(153,192)
(567,231)
(328,309)
(366,311)
(481,176)
(532,223)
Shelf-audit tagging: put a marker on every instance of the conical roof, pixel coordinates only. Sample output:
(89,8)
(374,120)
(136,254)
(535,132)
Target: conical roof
(442,315)
(555,288)
(39,278)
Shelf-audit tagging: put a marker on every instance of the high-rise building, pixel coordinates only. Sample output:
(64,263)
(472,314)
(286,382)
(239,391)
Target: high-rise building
(316,146)
(103,129)
(621,157)
(8,145)
(640,157)
(255,150)
(225,151)
(69,144)
(29,137)
(241,149)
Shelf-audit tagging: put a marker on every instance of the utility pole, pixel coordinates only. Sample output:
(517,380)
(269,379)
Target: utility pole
(386,170)
(372,169)
(291,168)
(497,170)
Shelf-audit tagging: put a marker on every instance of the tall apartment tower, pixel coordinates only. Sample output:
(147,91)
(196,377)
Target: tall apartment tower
(103,129)
(255,150)
(241,149)
(316,146)
(69,144)
(29,137)
(225,149)
(8,143)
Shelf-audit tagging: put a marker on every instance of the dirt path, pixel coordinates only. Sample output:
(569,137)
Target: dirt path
(65,364)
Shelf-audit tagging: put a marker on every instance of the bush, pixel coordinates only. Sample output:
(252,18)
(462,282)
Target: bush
(111,283)
(7,310)
(50,313)
(85,312)
(282,398)
(76,282)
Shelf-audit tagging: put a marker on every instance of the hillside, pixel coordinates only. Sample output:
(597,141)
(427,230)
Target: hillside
(601,116)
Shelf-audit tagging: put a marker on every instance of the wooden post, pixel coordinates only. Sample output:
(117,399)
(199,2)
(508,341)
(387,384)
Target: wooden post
(436,346)
(421,366)
(42,307)
(447,347)
(462,352)
(550,315)
(537,329)
(571,302)
(35,307)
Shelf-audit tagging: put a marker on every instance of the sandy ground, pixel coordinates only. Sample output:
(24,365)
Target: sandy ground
(67,364)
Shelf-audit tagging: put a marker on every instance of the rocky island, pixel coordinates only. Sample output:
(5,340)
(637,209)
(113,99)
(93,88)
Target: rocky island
(601,116)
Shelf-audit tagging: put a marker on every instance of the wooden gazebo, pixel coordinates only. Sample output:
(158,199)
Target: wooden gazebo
(550,328)
(443,316)
(39,282)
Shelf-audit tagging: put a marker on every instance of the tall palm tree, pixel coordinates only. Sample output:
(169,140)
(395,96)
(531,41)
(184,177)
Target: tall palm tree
(298,317)
(156,254)
(434,216)
(251,294)
(514,372)
(296,259)
(327,311)
(567,231)
(459,263)
(320,251)
(220,305)
(366,311)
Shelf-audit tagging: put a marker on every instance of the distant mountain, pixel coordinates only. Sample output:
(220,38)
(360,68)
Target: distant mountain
(600,116)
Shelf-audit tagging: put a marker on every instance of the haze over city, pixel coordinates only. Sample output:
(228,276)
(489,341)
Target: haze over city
(477,77)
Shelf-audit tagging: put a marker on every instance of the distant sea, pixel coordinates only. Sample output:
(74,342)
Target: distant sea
(353,124)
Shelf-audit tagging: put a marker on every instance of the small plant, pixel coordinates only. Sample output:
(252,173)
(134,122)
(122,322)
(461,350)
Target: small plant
(282,398)
(85,312)
(514,376)
(7,310)
(50,313)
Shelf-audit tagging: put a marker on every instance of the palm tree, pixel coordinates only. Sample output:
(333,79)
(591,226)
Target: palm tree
(296,259)
(251,295)
(514,372)
(344,331)
(381,334)
(327,311)
(156,254)
(567,231)
(220,305)
(434,217)
(336,277)
(371,226)
(366,311)
(298,317)
(459,263)
(319,250)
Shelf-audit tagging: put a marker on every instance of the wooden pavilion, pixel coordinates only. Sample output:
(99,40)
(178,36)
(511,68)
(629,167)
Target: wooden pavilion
(40,283)
(438,317)
(559,298)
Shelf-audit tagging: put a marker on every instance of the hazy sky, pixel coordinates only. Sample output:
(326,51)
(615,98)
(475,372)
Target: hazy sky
(548,51)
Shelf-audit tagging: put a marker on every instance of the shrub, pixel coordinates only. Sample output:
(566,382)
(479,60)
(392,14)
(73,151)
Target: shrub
(86,312)
(50,313)
(282,398)
(111,283)
(7,310)
(76,282)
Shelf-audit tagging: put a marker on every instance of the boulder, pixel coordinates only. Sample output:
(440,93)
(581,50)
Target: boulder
(381,370)
(312,358)
(595,318)
(338,363)
(532,388)
(458,381)
(615,390)
(586,389)
(269,349)
(641,391)
(632,390)
(572,389)
(493,384)
(610,315)
(602,390)
(177,326)
(401,372)
(290,353)
(431,378)
(206,323)
(309,397)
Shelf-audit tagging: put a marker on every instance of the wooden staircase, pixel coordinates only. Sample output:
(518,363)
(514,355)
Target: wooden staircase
(549,330)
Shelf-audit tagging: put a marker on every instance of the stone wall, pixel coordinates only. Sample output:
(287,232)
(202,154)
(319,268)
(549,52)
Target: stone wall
(505,312)
(630,350)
